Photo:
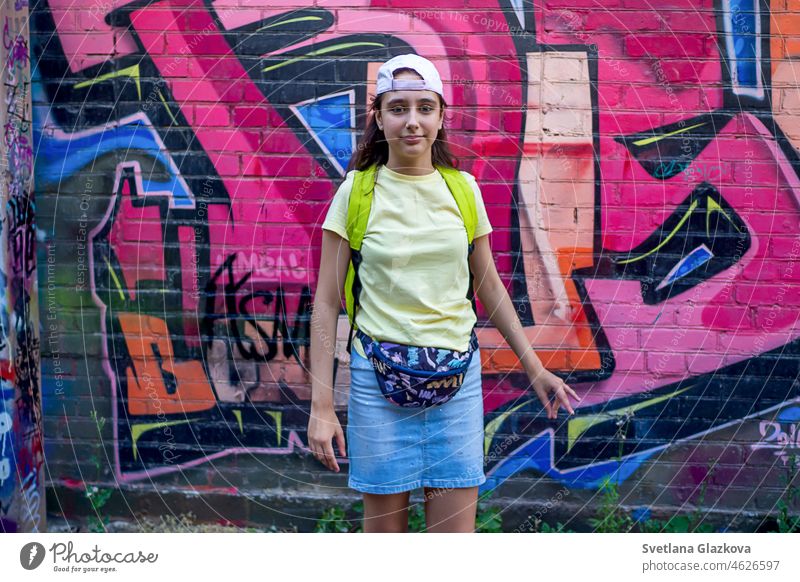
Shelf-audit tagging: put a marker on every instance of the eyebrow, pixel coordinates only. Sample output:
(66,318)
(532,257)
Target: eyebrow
(403,100)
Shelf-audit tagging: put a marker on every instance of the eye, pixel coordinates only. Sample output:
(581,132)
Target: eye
(427,109)
(398,109)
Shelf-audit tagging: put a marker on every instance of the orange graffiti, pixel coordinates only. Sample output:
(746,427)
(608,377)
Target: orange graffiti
(157,384)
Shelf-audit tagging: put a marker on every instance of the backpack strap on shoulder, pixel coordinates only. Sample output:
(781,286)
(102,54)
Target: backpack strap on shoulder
(465,199)
(358,209)
(359,205)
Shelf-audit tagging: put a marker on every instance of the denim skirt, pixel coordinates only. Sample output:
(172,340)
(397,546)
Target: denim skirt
(393,449)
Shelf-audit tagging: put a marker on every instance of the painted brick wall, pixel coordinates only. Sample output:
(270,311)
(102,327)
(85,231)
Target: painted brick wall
(639,166)
(22,478)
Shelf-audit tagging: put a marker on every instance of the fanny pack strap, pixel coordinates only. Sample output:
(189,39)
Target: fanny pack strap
(365,339)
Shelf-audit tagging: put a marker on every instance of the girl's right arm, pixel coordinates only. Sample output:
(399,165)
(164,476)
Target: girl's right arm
(323,423)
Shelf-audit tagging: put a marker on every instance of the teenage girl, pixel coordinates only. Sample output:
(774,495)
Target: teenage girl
(414,277)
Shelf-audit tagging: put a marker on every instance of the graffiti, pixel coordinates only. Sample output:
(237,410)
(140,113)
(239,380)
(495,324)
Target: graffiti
(17,47)
(21,451)
(644,200)
(20,224)
(7,458)
(781,435)
(775,437)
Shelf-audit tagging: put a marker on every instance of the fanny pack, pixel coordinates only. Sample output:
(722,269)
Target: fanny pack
(417,377)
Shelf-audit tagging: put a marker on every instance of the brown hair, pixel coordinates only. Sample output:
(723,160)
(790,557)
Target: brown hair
(373,149)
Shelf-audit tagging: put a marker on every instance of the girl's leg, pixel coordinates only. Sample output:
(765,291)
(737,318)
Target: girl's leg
(386,513)
(450,510)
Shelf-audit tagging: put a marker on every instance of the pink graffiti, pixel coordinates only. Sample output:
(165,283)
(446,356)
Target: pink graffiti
(673,72)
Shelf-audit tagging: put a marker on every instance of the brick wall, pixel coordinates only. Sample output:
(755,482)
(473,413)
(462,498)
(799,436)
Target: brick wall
(639,166)
(22,479)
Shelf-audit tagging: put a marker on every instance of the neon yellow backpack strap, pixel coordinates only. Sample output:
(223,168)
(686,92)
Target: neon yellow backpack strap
(358,208)
(465,198)
(359,205)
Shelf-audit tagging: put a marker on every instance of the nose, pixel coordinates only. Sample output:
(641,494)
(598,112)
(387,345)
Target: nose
(412,117)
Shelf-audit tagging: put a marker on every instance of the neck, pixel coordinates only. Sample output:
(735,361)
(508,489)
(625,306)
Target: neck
(411,167)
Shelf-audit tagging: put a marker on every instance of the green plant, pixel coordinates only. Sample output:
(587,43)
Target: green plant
(788,523)
(488,518)
(97,499)
(187,523)
(334,520)
(684,523)
(416,518)
(97,496)
(338,520)
(543,527)
(610,516)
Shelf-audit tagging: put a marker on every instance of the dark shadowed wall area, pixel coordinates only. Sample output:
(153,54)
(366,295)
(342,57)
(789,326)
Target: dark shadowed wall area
(639,165)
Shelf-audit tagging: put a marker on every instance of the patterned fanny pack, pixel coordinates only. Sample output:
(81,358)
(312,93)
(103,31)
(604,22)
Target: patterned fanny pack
(417,377)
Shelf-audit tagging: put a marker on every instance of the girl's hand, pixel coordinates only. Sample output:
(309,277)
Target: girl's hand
(323,426)
(544,382)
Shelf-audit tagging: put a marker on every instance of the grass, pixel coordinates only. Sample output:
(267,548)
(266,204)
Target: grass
(187,523)
(336,519)
(788,523)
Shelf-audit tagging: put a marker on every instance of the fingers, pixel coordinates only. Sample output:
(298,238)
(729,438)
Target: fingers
(564,399)
(340,442)
(320,440)
(545,402)
(324,454)
(561,395)
(330,457)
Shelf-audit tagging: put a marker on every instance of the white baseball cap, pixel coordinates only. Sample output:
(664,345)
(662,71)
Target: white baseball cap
(431,81)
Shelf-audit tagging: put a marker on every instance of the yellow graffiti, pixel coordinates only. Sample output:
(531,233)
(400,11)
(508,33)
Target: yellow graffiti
(166,106)
(299,19)
(578,426)
(116,280)
(491,428)
(713,206)
(655,138)
(132,72)
(276,415)
(666,240)
(328,49)
(139,429)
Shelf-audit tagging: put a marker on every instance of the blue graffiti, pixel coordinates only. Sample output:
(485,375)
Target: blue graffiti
(8,465)
(61,154)
(743,38)
(537,455)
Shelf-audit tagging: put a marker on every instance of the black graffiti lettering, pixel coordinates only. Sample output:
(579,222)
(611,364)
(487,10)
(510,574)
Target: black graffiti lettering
(240,313)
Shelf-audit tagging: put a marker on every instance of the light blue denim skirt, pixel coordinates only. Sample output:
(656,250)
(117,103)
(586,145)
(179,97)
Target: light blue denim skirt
(393,449)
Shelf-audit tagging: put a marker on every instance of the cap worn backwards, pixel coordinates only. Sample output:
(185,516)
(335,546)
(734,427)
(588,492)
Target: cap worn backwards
(431,81)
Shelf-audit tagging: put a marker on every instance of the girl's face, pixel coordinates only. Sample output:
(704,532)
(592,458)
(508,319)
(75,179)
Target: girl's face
(410,120)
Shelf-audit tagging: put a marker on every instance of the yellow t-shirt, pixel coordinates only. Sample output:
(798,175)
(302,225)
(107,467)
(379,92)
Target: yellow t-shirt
(414,273)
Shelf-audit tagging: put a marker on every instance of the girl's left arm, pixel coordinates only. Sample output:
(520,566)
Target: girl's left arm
(493,296)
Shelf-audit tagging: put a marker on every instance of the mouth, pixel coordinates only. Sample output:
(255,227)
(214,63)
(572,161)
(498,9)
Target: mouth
(412,138)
